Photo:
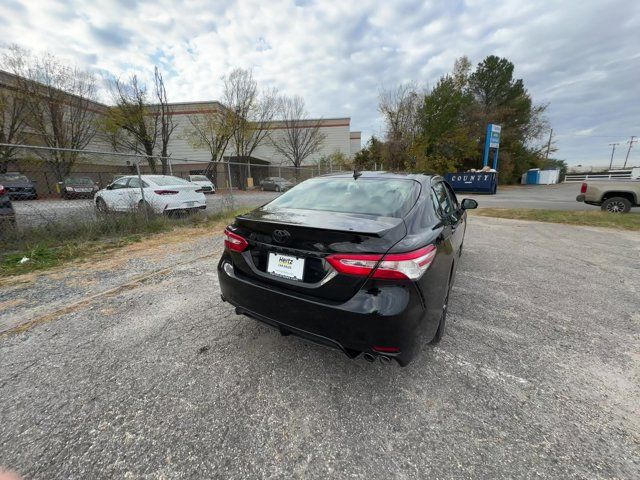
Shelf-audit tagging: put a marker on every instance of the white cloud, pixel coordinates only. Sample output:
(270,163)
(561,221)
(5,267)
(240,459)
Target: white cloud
(581,58)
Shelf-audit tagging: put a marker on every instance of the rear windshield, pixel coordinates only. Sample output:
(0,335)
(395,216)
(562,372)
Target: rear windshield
(13,178)
(79,180)
(383,197)
(166,180)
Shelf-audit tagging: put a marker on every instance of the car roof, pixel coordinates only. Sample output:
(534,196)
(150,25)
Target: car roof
(420,177)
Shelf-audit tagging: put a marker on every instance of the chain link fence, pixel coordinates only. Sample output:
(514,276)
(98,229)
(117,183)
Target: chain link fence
(56,188)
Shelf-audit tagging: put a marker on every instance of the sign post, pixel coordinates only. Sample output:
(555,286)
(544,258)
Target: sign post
(492,141)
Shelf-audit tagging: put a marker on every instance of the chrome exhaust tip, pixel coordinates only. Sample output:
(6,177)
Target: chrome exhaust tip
(384,360)
(369,357)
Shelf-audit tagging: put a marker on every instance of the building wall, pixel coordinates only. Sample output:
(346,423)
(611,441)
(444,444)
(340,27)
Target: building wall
(355,142)
(336,140)
(338,137)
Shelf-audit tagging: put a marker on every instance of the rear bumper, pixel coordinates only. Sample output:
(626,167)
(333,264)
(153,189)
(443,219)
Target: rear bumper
(390,316)
(186,206)
(22,195)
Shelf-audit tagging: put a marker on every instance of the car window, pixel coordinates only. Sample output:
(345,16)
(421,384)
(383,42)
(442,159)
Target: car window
(446,206)
(120,183)
(13,177)
(452,196)
(166,180)
(436,203)
(78,180)
(134,182)
(384,197)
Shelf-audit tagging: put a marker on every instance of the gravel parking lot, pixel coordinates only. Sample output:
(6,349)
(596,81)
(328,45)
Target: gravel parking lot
(133,368)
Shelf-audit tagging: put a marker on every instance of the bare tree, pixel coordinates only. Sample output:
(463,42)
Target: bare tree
(399,108)
(61,110)
(136,124)
(131,124)
(253,112)
(13,104)
(301,137)
(212,130)
(167,125)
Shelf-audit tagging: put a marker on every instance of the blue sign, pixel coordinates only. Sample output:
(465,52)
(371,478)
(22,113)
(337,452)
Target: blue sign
(494,135)
(492,141)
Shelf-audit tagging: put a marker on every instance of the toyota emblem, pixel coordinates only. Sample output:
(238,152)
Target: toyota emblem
(281,236)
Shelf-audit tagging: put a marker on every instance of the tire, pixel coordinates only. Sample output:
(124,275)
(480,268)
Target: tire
(101,206)
(277,188)
(443,321)
(616,205)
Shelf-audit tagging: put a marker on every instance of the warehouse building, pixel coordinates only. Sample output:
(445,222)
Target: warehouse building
(186,158)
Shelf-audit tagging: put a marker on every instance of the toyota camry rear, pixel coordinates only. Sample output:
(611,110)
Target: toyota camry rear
(362,263)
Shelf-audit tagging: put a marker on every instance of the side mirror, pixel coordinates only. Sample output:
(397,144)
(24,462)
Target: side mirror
(469,204)
(109,187)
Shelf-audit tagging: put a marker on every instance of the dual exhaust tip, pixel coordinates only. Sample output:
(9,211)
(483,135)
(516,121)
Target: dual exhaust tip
(369,357)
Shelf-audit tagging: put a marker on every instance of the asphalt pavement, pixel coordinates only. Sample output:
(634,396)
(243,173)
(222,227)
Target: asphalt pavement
(132,367)
(553,197)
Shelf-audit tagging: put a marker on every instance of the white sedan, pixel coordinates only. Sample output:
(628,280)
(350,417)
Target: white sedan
(206,184)
(162,194)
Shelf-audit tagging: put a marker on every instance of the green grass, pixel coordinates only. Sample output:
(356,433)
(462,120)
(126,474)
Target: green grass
(55,243)
(588,218)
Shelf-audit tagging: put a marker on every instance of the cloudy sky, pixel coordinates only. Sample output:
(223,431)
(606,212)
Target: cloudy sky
(581,57)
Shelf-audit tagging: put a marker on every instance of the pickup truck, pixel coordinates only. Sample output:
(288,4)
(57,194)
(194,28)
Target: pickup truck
(611,196)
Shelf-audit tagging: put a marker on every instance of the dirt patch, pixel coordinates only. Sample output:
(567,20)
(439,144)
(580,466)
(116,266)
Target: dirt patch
(11,303)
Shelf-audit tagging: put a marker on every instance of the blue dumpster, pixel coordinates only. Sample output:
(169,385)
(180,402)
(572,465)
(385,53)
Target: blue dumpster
(479,182)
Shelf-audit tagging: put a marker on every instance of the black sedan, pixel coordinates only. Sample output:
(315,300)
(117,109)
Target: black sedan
(18,186)
(363,263)
(78,187)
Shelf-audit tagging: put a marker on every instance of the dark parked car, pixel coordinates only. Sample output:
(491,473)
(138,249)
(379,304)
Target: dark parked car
(7,215)
(362,264)
(78,187)
(18,186)
(277,184)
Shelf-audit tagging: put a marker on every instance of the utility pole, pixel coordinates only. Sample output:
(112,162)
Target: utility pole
(630,142)
(549,143)
(613,150)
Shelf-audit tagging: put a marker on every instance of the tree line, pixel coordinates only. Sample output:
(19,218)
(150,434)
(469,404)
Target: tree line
(49,103)
(443,128)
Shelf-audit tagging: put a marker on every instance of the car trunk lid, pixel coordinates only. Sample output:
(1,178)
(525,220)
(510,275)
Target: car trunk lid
(312,236)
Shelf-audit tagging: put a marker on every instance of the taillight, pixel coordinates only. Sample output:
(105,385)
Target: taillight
(583,188)
(409,265)
(2,190)
(234,242)
(166,192)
